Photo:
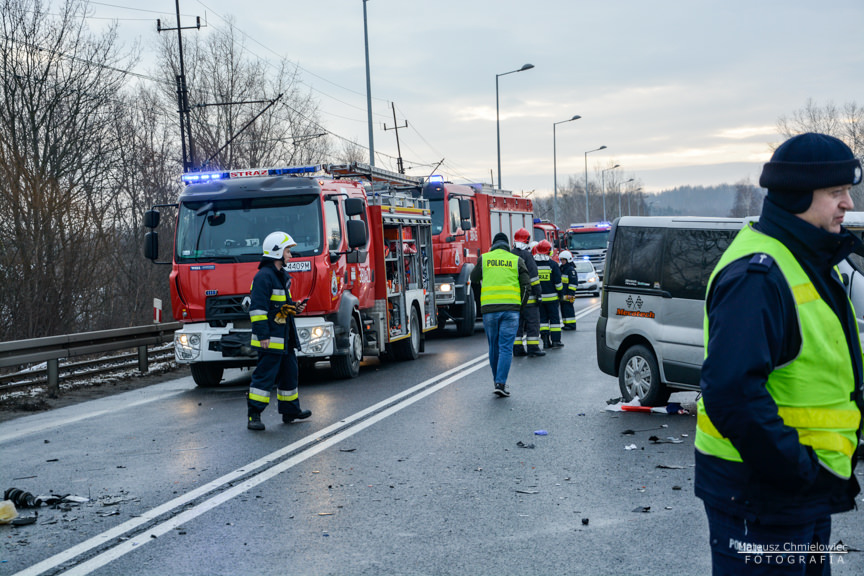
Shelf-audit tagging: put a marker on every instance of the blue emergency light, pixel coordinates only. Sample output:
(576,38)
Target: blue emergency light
(436,179)
(200,177)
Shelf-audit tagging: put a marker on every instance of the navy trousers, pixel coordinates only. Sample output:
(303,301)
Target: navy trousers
(277,371)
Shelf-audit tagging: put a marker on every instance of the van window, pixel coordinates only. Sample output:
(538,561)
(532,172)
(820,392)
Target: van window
(636,257)
(689,259)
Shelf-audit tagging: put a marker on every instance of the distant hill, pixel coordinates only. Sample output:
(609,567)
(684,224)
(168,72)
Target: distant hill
(699,200)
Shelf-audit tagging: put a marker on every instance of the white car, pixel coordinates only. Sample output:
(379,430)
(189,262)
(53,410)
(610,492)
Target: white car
(588,280)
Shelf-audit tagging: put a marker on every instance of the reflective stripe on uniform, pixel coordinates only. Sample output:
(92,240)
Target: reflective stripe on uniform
(259,395)
(257,315)
(287,395)
(278,295)
(276,343)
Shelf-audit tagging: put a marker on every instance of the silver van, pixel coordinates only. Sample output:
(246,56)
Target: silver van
(649,334)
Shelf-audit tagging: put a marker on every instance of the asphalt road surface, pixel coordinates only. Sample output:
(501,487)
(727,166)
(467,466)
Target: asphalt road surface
(414,468)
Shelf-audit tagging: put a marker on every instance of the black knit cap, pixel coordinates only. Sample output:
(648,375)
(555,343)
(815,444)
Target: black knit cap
(805,163)
(500,237)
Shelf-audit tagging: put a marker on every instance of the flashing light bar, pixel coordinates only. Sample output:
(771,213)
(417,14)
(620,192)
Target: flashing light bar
(436,179)
(199,177)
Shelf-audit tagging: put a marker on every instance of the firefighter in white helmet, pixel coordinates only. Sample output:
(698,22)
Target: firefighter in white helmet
(274,333)
(529,317)
(569,281)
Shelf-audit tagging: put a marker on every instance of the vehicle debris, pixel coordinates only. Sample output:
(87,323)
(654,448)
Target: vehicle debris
(541,433)
(8,512)
(521,444)
(643,509)
(670,467)
(585,521)
(631,447)
(527,491)
(667,440)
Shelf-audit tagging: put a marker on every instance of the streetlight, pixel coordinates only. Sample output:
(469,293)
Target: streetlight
(555,167)
(603,186)
(497,117)
(619,193)
(368,89)
(630,195)
(587,219)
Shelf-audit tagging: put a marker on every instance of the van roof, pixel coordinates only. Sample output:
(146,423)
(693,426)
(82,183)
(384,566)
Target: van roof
(683,221)
(854,220)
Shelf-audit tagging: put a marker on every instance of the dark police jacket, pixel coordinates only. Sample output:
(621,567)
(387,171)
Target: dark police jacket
(752,316)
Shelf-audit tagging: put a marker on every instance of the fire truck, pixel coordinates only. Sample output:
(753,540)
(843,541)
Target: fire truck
(546,230)
(588,241)
(465,218)
(363,259)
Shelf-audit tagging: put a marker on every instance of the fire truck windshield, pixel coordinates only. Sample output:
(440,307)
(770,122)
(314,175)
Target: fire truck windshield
(588,240)
(232,230)
(437,208)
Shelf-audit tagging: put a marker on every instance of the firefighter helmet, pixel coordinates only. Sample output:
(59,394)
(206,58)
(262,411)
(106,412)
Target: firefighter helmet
(275,244)
(533,247)
(565,255)
(544,247)
(522,235)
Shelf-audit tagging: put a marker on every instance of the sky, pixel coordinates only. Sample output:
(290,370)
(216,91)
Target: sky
(681,92)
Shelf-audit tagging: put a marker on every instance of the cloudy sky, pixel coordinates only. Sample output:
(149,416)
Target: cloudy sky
(681,92)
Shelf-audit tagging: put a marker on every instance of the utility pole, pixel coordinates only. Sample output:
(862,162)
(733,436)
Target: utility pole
(368,89)
(398,148)
(182,93)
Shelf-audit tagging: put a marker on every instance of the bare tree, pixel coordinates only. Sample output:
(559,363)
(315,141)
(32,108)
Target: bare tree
(57,85)
(244,112)
(748,200)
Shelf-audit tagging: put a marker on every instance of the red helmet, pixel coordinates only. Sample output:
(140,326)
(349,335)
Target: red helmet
(522,235)
(544,247)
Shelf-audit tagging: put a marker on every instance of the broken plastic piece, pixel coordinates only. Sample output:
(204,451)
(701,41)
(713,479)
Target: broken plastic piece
(541,433)
(631,447)
(521,444)
(644,509)
(7,512)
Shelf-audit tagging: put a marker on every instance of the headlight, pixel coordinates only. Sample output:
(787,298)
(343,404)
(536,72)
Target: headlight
(446,287)
(592,279)
(187,346)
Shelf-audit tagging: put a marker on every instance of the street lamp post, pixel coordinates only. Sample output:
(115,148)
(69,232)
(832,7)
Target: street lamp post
(555,167)
(620,211)
(629,196)
(497,116)
(368,90)
(587,219)
(603,186)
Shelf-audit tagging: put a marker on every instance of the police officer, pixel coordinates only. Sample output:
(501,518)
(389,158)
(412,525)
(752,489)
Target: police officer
(274,333)
(569,281)
(551,290)
(529,316)
(780,416)
(503,280)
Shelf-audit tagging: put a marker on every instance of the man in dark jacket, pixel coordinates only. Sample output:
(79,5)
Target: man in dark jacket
(780,417)
(529,316)
(504,283)
(274,333)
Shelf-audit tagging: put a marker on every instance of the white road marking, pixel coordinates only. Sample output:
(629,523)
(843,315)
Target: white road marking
(310,446)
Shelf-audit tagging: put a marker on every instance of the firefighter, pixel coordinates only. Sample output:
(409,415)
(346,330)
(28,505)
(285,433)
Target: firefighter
(551,288)
(529,318)
(569,281)
(274,333)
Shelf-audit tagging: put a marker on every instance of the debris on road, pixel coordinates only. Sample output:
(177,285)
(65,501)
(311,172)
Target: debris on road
(667,440)
(541,433)
(521,444)
(631,447)
(527,491)
(629,432)
(7,512)
(634,405)
(670,467)
(643,509)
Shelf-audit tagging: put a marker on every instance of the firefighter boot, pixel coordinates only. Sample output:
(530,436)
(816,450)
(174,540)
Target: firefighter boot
(302,415)
(547,342)
(254,422)
(519,351)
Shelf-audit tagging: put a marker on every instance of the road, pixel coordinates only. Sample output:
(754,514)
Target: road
(412,468)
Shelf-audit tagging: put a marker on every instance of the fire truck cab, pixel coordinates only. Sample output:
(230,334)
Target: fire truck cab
(465,218)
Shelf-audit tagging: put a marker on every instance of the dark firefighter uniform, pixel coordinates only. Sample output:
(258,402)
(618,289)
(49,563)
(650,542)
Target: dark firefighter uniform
(569,281)
(529,317)
(551,289)
(277,364)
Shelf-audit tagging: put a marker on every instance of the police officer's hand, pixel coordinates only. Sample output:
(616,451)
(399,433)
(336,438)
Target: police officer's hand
(265,343)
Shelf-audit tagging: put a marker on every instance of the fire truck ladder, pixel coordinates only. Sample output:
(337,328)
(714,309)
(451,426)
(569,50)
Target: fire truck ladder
(372,174)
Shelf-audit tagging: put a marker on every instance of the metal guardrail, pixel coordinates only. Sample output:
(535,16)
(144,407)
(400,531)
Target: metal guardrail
(54,348)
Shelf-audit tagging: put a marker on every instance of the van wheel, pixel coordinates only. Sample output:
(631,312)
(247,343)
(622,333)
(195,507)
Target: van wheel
(348,366)
(207,375)
(409,348)
(639,377)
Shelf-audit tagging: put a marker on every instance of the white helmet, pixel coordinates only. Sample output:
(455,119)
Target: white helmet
(565,255)
(275,244)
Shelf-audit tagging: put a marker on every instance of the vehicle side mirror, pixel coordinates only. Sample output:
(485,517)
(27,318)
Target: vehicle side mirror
(151,218)
(464,209)
(357,236)
(354,207)
(466,224)
(151,244)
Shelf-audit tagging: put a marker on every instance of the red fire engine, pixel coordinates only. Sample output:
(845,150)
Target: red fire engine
(546,230)
(465,218)
(363,259)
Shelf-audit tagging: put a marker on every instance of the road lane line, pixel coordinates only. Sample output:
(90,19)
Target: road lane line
(306,447)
